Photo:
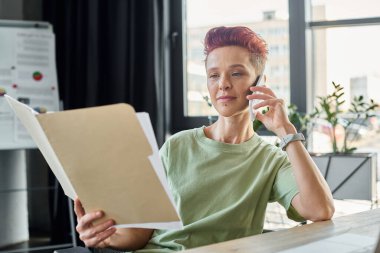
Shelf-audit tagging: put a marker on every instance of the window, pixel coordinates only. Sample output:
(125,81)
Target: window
(344,49)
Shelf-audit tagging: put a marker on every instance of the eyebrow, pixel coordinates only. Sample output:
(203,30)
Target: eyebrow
(231,66)
(237,65)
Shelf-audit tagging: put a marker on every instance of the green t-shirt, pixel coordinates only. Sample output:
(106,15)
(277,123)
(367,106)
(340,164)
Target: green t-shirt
(221,190)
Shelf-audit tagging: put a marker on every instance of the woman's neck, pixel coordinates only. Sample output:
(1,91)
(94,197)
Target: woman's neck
(233,130)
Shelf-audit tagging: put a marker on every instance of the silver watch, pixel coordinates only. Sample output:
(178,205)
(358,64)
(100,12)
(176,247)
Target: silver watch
(289,138)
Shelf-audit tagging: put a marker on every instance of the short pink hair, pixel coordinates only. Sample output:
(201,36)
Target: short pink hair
(238,36)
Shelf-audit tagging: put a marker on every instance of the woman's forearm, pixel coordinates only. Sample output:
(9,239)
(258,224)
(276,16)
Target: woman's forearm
(315,201)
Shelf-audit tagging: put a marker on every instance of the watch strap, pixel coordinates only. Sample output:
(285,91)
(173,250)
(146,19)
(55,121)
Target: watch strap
(290,138)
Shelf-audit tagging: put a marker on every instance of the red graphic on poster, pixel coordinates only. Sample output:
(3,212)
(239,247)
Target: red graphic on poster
(37,76)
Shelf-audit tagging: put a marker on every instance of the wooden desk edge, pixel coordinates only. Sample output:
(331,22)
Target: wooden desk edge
(364,223)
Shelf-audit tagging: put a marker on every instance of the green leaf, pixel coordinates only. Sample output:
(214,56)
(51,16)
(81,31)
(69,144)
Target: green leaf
(349,150)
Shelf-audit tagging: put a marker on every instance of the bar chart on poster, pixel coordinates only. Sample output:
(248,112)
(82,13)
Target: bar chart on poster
(28,74)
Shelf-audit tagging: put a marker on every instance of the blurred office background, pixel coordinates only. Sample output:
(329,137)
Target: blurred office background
(149,53)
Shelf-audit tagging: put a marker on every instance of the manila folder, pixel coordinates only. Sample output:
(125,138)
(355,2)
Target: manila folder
(104,153)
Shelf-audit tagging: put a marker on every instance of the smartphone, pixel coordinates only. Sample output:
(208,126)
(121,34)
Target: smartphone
(252,102)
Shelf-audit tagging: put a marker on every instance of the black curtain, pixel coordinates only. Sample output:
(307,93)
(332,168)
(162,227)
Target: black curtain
(109,51)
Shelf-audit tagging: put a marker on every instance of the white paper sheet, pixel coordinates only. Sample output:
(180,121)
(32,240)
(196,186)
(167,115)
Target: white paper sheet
(162,225)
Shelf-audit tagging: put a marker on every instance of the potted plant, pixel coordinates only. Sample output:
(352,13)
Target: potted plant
(349,174)
(330,110)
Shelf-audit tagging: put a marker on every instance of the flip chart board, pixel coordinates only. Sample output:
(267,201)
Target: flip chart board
(27,73)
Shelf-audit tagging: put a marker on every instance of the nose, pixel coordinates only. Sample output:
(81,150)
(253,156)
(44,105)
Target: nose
(224,83)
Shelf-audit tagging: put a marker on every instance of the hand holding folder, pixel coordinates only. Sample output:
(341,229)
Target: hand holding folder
(108,157)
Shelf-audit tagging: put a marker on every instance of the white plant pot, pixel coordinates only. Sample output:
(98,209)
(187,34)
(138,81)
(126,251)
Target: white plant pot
(350,176)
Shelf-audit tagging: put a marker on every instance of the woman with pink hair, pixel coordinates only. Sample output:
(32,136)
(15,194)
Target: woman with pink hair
(223,175)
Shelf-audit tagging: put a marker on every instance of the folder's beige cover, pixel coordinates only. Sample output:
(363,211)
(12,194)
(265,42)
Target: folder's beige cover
(104,153)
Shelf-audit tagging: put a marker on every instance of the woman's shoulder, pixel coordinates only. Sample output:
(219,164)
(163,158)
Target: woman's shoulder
(184,136)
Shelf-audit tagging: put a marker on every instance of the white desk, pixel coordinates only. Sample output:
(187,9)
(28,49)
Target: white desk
(365,223)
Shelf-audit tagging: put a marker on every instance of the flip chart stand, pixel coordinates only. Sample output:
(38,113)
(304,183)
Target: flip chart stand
(14,189)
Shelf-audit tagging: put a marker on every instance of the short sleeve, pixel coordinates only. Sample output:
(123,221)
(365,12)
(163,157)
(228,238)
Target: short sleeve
(285,189)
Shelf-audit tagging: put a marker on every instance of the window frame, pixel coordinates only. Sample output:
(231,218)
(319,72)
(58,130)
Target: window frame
(178,71)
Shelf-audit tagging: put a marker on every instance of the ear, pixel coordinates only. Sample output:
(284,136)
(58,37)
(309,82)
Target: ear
(265,79)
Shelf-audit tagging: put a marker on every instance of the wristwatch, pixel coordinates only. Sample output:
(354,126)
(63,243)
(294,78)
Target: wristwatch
(290,138)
